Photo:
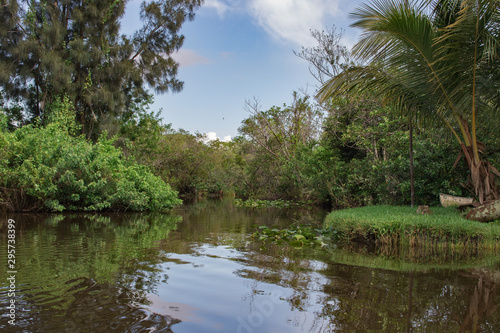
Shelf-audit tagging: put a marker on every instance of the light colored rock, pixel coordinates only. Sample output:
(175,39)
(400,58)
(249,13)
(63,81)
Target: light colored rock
(485,213)
(451,200)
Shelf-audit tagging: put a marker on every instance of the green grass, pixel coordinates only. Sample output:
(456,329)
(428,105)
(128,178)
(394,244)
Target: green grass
(394,226)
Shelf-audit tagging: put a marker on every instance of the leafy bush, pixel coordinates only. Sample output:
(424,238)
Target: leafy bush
(46,167)
(188,163)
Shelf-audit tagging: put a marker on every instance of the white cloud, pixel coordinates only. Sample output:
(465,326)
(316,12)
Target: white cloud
(187,57)
(287,20)
(292,20)
(212,136)
(220,7)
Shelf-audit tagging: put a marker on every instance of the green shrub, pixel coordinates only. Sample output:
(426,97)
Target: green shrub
(188,163)
(47,168)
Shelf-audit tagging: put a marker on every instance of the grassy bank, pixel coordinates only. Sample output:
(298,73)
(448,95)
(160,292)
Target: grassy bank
(396,226)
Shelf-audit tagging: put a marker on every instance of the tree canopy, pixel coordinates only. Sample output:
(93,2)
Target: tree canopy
(74,48)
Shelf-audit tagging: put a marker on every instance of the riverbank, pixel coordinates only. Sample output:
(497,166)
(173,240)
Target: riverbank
(400,226)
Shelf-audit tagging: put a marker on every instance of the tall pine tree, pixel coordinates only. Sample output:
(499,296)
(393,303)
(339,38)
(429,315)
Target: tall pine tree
(74,48)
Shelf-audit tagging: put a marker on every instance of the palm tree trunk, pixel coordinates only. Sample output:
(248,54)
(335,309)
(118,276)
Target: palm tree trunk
(482,174)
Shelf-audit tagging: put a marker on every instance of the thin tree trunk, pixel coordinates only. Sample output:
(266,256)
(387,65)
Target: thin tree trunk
(412,180)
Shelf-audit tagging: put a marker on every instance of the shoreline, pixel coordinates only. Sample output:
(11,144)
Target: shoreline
(397,226)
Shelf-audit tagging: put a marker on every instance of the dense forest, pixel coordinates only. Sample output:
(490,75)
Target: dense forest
(77,131)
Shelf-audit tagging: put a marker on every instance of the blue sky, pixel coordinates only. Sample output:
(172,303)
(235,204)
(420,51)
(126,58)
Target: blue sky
(238,50)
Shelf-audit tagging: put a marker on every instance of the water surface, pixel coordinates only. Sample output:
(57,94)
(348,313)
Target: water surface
(198,270)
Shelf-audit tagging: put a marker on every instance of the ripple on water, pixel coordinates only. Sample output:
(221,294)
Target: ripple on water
(201,273)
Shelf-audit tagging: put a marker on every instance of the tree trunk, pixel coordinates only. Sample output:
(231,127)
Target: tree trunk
(482,173)
(482,176)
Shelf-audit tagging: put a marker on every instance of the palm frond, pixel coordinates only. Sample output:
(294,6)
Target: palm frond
(434,60)
(403,37)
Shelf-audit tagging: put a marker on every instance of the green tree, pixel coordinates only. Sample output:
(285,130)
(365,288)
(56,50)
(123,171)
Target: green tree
(47,168)
(53,48)
(276,136)
(280,130)
(437,61)
(362,158)
(189,163)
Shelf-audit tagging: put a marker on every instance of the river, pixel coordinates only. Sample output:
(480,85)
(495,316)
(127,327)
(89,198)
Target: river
(197,269)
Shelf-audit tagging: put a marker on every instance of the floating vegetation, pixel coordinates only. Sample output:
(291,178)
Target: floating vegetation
(257,203)
(296,236)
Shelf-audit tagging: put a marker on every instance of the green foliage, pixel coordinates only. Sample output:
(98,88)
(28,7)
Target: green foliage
(47,167)
(227,174)
(437,62)
(363,158)
(187,162)
(61,113)
(274,138)
(387,181)
(4,121)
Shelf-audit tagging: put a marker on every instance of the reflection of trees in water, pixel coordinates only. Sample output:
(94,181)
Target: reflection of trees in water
(348,298)
(280,266)
(219,222)
(398,302)
(100,308)
(97,271)
(88,273)
(483,300)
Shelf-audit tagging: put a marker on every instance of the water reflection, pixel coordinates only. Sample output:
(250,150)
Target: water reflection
(85,273)
(197,271)
(483,300)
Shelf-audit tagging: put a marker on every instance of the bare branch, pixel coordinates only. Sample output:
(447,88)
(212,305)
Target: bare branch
(329,57)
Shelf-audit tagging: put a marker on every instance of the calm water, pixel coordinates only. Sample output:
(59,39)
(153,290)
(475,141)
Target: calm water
(197,270)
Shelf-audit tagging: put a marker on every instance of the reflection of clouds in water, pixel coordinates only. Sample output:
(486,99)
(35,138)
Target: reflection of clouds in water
(183,312)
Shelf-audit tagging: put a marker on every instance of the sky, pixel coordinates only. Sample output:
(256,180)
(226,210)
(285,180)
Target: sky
(240,50)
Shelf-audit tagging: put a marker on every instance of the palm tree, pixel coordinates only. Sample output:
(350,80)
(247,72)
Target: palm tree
(438,61)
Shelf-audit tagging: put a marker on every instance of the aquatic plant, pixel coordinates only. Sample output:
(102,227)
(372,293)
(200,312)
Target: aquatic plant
(257,203)
(295,235)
